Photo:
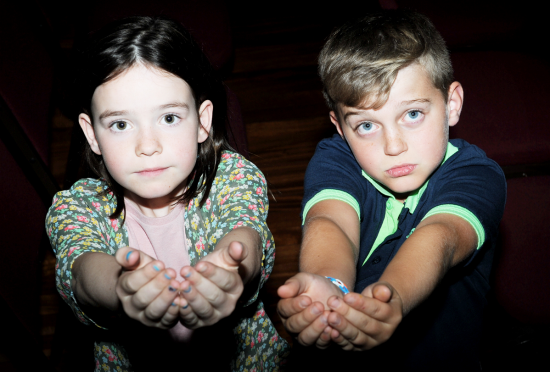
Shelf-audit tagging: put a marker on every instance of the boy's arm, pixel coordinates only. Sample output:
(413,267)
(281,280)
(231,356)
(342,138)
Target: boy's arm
(439,243)
(329,248)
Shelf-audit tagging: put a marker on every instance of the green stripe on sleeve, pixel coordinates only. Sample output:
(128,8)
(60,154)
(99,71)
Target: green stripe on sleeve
(463,213)
(330,194)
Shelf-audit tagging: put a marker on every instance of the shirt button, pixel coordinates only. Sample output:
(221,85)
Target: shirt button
(376,260)
(389,204)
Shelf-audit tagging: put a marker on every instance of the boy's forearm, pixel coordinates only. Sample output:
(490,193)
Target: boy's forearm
(327,251)
(438,244)
(95,275)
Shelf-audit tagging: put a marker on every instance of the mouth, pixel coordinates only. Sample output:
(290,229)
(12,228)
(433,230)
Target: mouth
(151,172)
(401,170)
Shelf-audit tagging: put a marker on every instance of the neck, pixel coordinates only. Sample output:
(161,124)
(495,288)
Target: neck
(157,207)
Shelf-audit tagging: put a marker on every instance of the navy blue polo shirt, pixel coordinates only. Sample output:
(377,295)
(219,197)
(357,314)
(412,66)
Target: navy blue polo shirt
(467,184)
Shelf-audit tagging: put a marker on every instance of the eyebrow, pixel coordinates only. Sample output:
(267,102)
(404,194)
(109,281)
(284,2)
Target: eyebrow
(107,114)
(412,101)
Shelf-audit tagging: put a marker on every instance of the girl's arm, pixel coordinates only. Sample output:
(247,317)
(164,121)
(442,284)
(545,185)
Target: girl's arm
(211,289)
(130,281)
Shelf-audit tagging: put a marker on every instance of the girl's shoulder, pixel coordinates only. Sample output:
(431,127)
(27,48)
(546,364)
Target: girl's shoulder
(233,163)
(87,191)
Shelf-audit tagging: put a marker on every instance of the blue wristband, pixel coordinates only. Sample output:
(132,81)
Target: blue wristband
(339,284)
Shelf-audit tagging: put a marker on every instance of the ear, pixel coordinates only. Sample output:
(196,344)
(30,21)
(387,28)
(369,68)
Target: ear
(455,102)
(334,120)
(205,119)
(88,129)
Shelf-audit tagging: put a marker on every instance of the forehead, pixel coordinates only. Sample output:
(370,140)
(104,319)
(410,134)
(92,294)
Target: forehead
(412,85)
(141,86)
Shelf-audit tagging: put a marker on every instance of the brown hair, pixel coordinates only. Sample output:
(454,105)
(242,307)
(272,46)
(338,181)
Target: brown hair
(360,61)
(165,45)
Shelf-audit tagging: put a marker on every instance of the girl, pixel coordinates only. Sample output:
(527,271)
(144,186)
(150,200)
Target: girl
(166,251)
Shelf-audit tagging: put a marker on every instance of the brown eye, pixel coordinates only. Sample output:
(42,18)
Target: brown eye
(169,119)
(120,125)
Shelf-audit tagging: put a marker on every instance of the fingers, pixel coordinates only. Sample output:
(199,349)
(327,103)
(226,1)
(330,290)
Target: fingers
(298,322)
(132,281)
(211,293)
(312,332)
(361,322)
(291,306)
(163,309)
(206,276)
(132,259)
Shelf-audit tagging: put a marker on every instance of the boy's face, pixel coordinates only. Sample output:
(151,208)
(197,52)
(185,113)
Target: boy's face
(402,143)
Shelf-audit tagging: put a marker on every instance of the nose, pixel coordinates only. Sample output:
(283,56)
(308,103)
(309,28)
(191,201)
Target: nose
(148,143)
(395,142)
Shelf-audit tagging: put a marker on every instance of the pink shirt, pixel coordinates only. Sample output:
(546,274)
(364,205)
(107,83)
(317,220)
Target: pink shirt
(164,239)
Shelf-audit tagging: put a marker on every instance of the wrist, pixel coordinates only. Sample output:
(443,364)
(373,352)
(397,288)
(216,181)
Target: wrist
(340,284)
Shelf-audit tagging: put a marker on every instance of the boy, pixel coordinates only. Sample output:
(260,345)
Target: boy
(392,210)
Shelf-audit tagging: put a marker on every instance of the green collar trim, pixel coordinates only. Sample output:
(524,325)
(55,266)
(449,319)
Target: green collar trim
(414,198)
(394,207)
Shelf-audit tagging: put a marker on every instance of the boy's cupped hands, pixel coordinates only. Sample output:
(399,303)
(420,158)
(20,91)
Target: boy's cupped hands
(317,312)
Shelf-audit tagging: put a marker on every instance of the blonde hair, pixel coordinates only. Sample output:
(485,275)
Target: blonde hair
(360,61)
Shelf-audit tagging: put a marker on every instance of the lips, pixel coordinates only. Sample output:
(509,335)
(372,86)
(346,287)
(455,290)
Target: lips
(151,172)
(401,170)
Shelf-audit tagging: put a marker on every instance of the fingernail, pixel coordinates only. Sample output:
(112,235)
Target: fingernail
(201,268)
(128,255)
(315,310)
(188,290)
(156,267)
(167,276)
(336,322)
(335,303)
(303,303)
(173,304)
(349,299)
(186,306)
(188,274)
(171,289)
(324,320)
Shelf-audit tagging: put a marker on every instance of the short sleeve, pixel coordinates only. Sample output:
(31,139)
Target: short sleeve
(333,173)
(238,198)
(77,223)
(472,185)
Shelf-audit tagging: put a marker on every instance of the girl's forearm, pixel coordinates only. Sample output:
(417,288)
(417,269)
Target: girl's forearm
(250,267)
(95,275)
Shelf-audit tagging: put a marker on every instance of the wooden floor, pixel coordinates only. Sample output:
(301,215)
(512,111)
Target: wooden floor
(275,79)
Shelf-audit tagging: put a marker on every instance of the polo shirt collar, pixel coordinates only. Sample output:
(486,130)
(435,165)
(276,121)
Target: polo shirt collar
(414,198)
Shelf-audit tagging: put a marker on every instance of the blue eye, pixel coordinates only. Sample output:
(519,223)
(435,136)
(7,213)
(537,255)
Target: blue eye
(413,115)
(366,126)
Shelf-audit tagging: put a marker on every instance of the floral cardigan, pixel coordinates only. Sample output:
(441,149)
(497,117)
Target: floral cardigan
(79,222)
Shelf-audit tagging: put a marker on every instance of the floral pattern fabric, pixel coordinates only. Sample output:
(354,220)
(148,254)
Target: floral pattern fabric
(78,222)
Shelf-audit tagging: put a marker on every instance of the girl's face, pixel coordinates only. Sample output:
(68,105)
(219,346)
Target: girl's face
(147,129)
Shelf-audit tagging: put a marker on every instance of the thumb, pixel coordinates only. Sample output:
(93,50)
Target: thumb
(383,292)
(295,286)
(235,254)
(132,259)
